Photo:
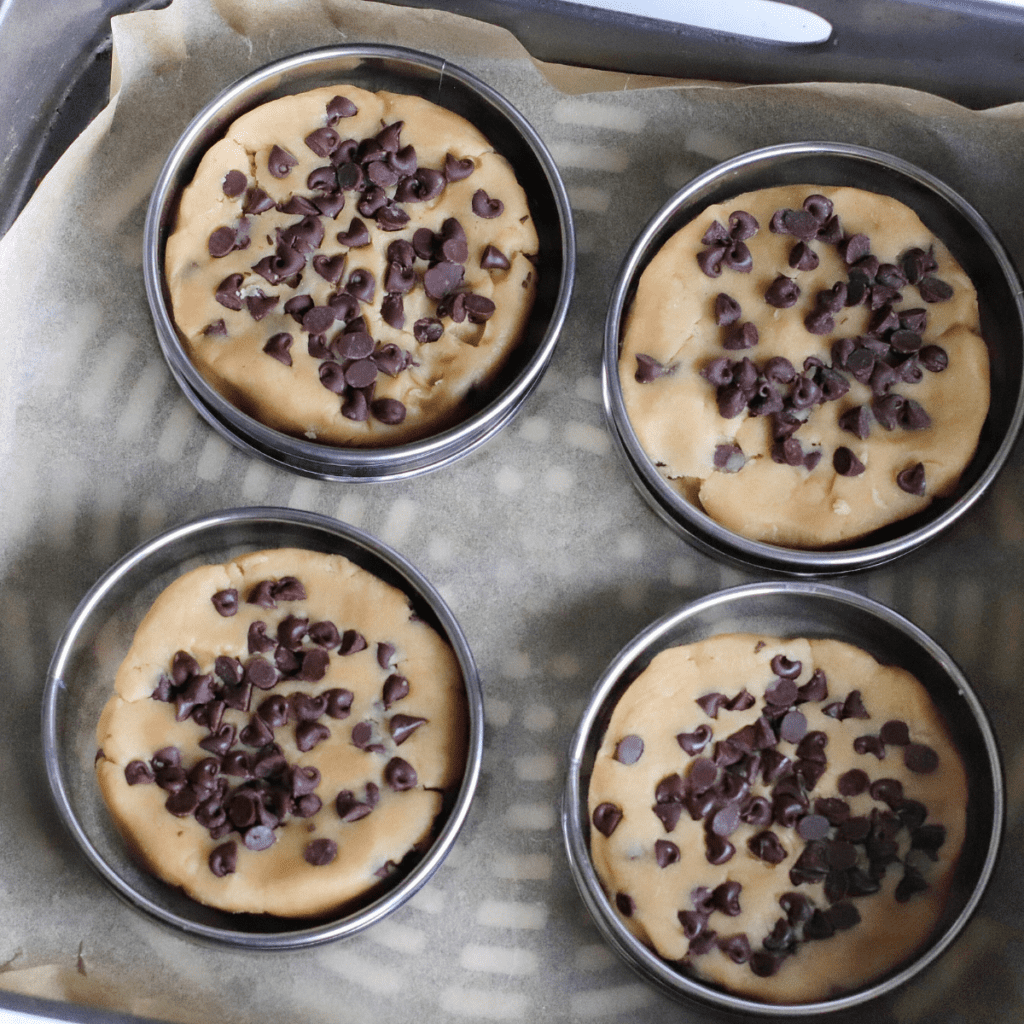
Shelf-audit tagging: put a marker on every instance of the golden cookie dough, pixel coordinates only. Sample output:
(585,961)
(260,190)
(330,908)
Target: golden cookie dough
(392,213)
(317,727)
(793,888)
(754,444)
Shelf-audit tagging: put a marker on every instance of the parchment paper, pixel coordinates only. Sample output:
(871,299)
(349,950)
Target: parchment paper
(548,557)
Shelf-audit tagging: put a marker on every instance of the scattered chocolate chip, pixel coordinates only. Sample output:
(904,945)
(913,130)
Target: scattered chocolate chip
(280,162)
(388,410)
(782,293)
(920,758)
(624,903)
(912,480)
(484,206)
(736,947)
(223,859)
(869,745)
(606,818)
(767,847)
(846,463)
(717,849)
(694,742)
(629,749)
(665,852)
(815,689)
(278,346)
(357,235)
(138,773)
(456,169)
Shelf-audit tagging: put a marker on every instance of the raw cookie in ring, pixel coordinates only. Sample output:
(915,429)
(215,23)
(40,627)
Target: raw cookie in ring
(352,268)
(806,364)
(780,817)
(282,733)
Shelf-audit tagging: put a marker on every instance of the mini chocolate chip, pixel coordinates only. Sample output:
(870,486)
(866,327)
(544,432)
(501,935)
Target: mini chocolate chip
(606,818)
(846,463)
(912,480)
(920,758)
(629,749)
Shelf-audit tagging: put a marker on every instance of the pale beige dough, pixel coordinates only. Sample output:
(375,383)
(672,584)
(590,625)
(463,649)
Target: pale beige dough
(447,376)
(278,880)
(661,704)
(676,418)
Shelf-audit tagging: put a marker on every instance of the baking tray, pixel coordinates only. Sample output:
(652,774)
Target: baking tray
(60,78)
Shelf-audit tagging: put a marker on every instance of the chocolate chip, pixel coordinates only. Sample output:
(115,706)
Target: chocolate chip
(736,947)
(727,310)
(920,758)
(693,922)
(665,852)
(911,883)
(820,322)
(280,162)
(717,849)
(484,206)
(782,693)
(767,847)
(352,642)
(815,689)
(912,480)
(629,749)
(625,904)
(339,107)
(402,727)
(456,169)
(726,898)
(138,773)
(933,289)
(357,235)
(442,278)
(669,814)
(741,701)
(259,305)
(782,293)
(869,745)
(694,742)
(846,463)
(278,346)
(725,821)
(226,602)
(911,813)
(803,257)
(710,703)
(223,859)
(338,702)
(934,358)
(388,410)
(710,261)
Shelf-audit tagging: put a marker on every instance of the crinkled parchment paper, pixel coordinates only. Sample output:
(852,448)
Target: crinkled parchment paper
(548,557)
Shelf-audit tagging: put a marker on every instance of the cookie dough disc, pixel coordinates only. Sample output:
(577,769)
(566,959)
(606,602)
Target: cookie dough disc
(407,703)
(408,385)
(654,867)
(676,414)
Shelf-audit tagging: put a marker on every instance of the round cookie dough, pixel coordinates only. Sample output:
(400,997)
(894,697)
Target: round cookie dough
(352,268)
(805,365)
(780,817)
(282,734)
